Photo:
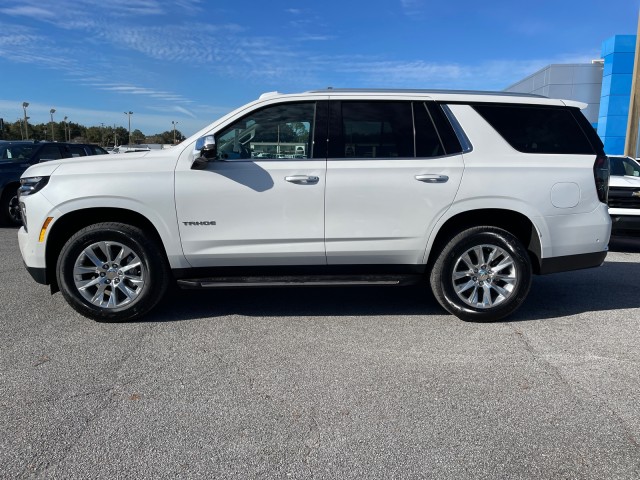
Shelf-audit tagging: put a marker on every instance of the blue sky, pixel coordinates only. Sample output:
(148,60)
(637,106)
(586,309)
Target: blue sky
(190,61)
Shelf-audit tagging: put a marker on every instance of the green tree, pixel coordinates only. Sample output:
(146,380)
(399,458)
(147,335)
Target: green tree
(137,137)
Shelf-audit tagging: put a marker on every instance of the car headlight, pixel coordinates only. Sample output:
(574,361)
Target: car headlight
(31,185)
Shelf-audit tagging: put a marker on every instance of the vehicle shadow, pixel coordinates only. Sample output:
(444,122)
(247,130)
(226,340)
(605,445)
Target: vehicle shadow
(610,287)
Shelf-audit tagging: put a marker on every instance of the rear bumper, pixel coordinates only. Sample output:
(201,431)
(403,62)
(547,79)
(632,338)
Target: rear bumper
(572,262)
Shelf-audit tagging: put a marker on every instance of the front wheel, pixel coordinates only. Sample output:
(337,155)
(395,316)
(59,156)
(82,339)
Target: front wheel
(482,275)
(10,209)
(112,272)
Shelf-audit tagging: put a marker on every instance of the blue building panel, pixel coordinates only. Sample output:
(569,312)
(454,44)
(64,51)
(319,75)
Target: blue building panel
(619,43)
(621,84)
(622,62)
(602,126)
(619,56)
(616,126)
(617,105)
(613,145)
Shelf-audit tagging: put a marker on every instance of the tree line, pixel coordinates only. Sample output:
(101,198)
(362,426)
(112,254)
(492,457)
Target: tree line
(105,136)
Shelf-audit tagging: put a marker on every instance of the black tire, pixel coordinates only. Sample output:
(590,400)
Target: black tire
(9,209)
(136,277)
(482,275)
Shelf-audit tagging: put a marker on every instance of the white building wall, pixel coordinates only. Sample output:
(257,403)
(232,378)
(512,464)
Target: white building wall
(579,81)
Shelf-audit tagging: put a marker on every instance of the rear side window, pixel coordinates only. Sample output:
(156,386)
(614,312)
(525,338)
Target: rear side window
(49,152)
(77,151)
(538,129)
(389,129)
(377,129)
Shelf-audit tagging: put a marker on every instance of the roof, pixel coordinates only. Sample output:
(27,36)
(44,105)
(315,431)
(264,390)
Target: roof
(408,91)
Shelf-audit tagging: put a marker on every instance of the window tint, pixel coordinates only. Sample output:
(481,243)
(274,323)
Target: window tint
(279,131)
(623,166)
(445,127)
(17,153)
(49,152)
(428,142)
(537,129)
(98,150)
(376,130)
(77,151)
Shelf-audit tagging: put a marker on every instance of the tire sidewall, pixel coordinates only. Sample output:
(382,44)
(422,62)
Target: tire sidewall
(133,238)
(462,243)
(5,202)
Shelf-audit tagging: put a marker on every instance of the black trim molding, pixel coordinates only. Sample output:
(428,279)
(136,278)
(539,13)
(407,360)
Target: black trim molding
(571,262)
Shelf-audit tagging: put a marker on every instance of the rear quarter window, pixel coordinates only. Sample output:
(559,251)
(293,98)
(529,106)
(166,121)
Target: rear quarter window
(539,129)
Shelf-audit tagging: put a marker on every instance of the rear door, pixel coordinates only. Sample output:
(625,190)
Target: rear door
(390,175)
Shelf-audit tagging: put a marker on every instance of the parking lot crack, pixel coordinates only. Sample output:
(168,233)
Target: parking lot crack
(556,373)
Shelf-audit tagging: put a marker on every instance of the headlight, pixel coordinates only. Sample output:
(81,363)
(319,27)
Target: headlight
(31,185)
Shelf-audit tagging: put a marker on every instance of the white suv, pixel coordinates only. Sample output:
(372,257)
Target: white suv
(474,192)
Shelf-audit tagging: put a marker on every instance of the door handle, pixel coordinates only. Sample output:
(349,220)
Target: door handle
(432,178)
(302,179)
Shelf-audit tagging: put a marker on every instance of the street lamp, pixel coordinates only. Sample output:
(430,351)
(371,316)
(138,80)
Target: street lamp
(53,137)
(128,114)
(26,127)
(174,131)
(65,128)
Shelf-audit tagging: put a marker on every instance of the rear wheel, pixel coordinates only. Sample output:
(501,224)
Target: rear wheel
(112,272)
(483,274)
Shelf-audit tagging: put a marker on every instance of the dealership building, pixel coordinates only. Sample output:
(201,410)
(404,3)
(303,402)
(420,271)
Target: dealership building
(604,85)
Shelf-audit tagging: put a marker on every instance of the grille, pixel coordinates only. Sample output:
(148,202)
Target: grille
(624,197)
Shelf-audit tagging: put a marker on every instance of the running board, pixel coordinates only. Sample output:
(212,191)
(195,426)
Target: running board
(300,281)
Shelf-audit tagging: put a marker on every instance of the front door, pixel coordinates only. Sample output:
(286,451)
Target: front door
(261,202)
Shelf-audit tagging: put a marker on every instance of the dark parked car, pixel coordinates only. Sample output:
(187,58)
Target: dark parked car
(17,156)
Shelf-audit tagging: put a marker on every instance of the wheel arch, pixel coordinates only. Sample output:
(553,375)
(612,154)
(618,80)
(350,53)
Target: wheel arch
(513,222)
(64,227)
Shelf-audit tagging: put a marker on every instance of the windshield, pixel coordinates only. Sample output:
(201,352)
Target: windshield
(624,166)
(16,153)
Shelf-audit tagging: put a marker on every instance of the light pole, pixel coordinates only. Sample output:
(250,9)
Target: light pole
(102,134)
(174,131)
(128,114)
(53,136)
(26,127)
(65,128)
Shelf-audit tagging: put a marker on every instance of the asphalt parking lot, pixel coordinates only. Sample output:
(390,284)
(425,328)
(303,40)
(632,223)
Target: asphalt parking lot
(324,383)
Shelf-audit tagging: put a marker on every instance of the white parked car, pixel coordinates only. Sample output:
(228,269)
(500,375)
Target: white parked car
(624,194)
(472,192)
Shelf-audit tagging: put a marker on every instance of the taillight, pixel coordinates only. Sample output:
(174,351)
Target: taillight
(601,176)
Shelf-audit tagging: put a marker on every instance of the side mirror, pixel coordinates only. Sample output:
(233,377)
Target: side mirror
(204,151)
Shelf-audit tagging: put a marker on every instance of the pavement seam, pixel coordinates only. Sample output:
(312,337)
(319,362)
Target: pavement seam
(555,371)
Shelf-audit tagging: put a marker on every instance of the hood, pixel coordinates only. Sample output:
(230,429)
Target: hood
(624,181)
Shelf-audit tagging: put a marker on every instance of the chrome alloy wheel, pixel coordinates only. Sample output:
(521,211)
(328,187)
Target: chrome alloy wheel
(484,276)
(109,274)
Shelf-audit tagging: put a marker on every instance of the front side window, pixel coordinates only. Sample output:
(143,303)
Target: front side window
(622,166)
(17,153)
(282,131)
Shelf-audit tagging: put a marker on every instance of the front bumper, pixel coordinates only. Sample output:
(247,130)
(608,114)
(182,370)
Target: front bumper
(625,223)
